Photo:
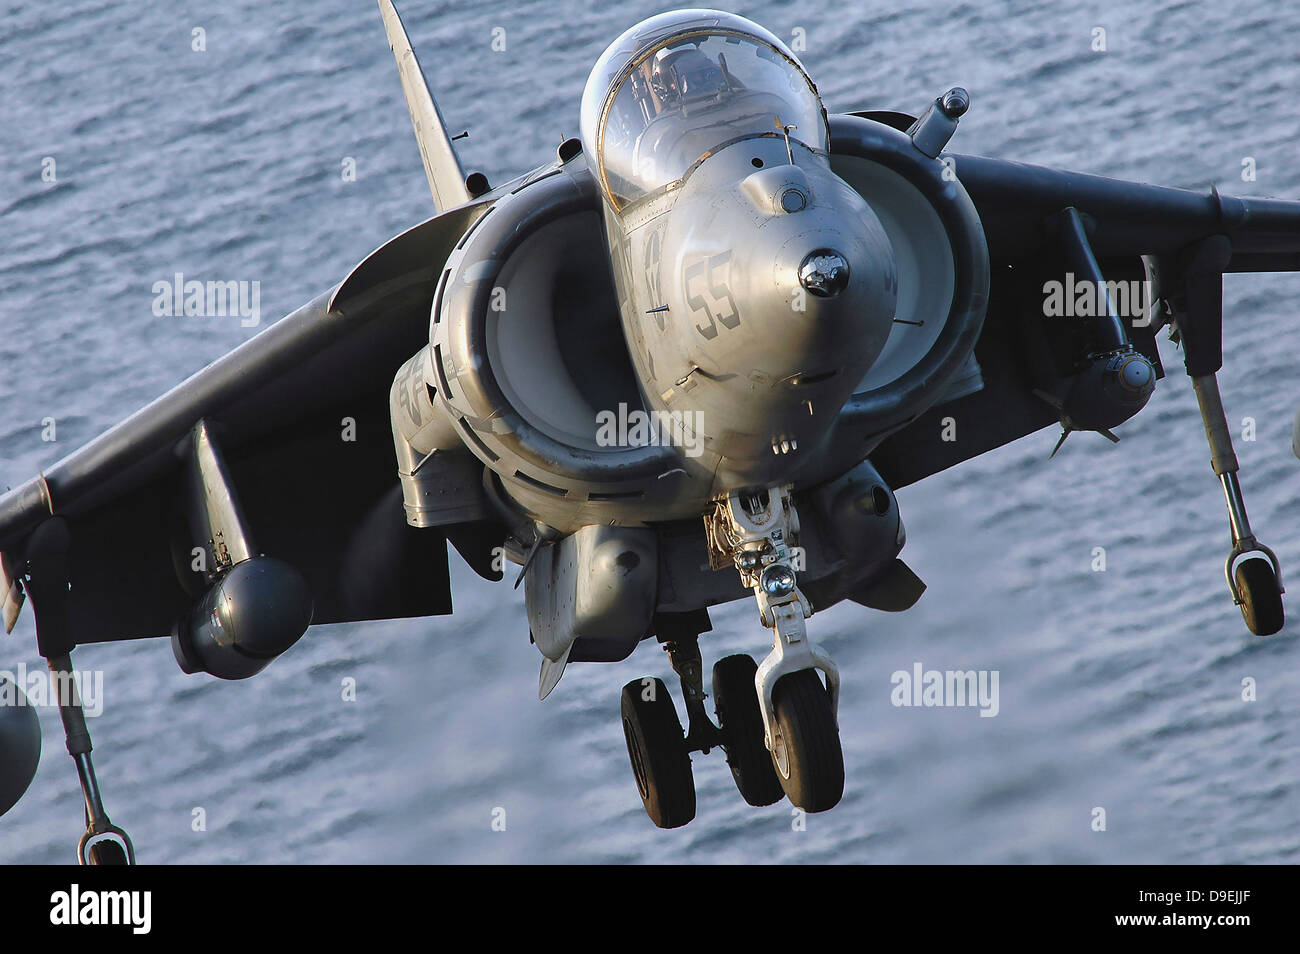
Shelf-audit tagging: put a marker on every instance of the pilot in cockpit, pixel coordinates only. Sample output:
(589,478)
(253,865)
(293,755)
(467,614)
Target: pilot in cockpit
(678,103)
(684,76)
(674,78)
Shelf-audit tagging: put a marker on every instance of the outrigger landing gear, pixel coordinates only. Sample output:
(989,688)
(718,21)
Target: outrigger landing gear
(47,585)
(1253,573)
(1195,303)
(103,843)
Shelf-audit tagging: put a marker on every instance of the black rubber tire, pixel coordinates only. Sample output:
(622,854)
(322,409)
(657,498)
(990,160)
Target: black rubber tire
(810,742)
(736,702)
(107,853)
(656,748)
(1261,597)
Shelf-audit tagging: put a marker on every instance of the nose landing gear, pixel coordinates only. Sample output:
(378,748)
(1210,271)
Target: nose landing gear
(800,730)
(776,721)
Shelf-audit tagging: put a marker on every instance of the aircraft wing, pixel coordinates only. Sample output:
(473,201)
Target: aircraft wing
(1131,227)
(282,408)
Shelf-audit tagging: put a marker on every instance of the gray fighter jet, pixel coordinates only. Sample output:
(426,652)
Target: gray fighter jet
(687,360)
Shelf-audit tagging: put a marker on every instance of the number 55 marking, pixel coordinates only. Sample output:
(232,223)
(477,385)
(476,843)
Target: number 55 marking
(713,300)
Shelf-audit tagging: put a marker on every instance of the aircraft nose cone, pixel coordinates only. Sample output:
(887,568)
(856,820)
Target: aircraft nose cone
(824,272)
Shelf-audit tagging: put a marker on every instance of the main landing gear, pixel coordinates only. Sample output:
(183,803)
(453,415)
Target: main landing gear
(776,721)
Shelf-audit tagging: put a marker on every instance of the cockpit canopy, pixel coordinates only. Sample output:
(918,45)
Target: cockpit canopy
(681,85)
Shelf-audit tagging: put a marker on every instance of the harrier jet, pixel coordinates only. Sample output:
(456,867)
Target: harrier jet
(689,359)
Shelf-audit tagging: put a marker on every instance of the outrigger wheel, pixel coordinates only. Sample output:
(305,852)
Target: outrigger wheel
(1260,595)
(108,853)
(657,750)
(741,719)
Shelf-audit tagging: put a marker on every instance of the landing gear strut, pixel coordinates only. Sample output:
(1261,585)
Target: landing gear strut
(48,584)
(1253,573)
(103,843)
(776,720)
(799,713)
(1252,569)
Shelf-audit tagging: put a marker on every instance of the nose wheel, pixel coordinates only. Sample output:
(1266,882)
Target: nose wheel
(807,755)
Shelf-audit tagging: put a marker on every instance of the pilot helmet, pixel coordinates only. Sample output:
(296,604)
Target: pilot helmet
(685,75)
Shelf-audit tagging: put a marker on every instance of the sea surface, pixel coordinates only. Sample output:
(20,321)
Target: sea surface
(1120,690)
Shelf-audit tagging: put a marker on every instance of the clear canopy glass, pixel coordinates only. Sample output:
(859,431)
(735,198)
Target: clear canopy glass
(683,96)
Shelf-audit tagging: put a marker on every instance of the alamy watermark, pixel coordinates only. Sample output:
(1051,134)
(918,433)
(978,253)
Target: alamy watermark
(77,906)
(214,299)
(1084,298)
(952,688)
(41,688)
(637,428)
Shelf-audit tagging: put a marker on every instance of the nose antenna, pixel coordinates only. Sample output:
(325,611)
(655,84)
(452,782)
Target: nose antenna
(785,131)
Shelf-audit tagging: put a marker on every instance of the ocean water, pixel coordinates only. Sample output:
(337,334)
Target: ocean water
(1119,689)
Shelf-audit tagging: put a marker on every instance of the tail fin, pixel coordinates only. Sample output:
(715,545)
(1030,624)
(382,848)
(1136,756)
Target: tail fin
(441,167)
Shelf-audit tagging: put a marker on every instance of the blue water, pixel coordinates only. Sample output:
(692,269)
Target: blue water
(1119,690)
